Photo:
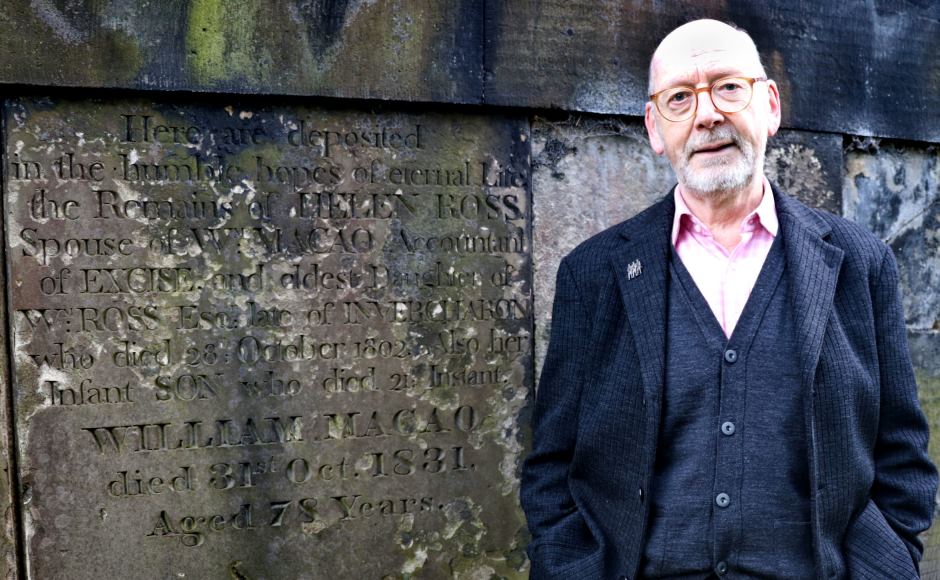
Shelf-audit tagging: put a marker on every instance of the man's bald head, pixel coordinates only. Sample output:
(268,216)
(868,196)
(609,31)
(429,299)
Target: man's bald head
(695,40)
(716,154)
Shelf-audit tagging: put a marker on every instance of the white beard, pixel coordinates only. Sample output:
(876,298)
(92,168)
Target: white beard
(720,176)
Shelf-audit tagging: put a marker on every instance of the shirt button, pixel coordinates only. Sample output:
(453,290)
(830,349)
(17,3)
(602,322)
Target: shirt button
(640,493)
(727,428)
(723,500)
(721,568)
(731,355)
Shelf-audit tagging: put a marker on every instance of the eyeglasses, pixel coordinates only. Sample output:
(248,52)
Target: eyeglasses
(729,95)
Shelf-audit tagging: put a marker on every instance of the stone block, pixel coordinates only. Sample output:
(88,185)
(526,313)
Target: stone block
(841,67)
(807,166)
(282,342)
(410,50)
(925,354)
(892,189)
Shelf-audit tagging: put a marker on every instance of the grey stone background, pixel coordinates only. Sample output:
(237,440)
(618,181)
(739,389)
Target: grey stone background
(860,82)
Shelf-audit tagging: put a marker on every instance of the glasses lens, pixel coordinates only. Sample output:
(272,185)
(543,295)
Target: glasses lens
(676,104)
(731,94)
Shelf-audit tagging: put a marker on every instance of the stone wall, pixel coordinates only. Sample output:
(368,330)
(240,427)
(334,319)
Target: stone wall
(874,60)
(530,118)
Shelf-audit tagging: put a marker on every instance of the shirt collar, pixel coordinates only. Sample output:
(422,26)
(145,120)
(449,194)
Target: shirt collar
(764,214)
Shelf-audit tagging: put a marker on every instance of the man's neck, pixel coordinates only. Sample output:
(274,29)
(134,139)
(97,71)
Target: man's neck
(723,212)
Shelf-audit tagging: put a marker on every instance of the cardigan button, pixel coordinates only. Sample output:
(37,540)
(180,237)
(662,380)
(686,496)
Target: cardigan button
(723,500)
(731,355)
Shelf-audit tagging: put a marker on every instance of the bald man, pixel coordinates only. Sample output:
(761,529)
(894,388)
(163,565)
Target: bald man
(728,390)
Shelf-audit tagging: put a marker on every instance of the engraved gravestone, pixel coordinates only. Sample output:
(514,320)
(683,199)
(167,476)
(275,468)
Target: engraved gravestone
(279,342)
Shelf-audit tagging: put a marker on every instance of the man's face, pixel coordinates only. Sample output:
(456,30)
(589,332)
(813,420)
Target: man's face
(712,153)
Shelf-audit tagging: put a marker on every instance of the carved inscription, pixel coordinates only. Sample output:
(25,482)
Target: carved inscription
(250,339)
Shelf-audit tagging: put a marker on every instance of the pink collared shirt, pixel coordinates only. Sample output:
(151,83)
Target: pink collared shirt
(725,278)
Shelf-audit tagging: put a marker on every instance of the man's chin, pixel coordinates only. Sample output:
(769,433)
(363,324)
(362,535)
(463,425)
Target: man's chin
(725,157)
(718,184)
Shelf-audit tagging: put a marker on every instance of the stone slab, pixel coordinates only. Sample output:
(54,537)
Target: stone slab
(925,353)
(859,67)
(808,166)
(9,520)
(892,189)
(280,342)
(877,64)
(396,50)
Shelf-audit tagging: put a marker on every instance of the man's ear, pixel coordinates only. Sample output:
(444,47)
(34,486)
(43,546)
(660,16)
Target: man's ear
(773,101)
(656,142)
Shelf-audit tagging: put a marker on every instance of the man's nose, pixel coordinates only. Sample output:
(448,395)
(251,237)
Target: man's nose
(706,115)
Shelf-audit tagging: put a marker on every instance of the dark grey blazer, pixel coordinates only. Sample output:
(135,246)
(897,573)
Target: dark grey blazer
(597,411)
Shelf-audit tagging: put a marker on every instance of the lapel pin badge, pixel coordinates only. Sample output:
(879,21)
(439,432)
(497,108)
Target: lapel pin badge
(634,269)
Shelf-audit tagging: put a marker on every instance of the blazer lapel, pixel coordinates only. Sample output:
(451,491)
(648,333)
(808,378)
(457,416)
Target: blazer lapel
(641,268)
(813,266)
(813,271)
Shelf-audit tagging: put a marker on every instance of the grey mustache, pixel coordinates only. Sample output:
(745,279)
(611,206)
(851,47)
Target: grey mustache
(714,138)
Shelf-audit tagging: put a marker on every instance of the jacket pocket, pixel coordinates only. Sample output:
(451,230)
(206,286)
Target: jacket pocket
(873,550)
(567,550)
(562,562)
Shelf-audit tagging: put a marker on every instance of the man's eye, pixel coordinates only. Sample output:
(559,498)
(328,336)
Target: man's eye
(679,98)
(729,87)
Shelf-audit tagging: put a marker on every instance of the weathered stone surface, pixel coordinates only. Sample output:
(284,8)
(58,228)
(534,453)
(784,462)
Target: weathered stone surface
(892,189)
(808,166)
(9,515)
(847,67)
(268,343)
(400,49)
(591,173)
(925,353)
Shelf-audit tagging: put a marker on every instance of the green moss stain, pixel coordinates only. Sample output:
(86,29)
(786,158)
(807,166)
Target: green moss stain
(124,61)
(224,43)
(364,49)
(205,40)
(397,59)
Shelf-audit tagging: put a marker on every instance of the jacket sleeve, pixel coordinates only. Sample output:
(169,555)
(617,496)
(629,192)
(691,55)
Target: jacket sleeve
(905,482)
(550,510)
